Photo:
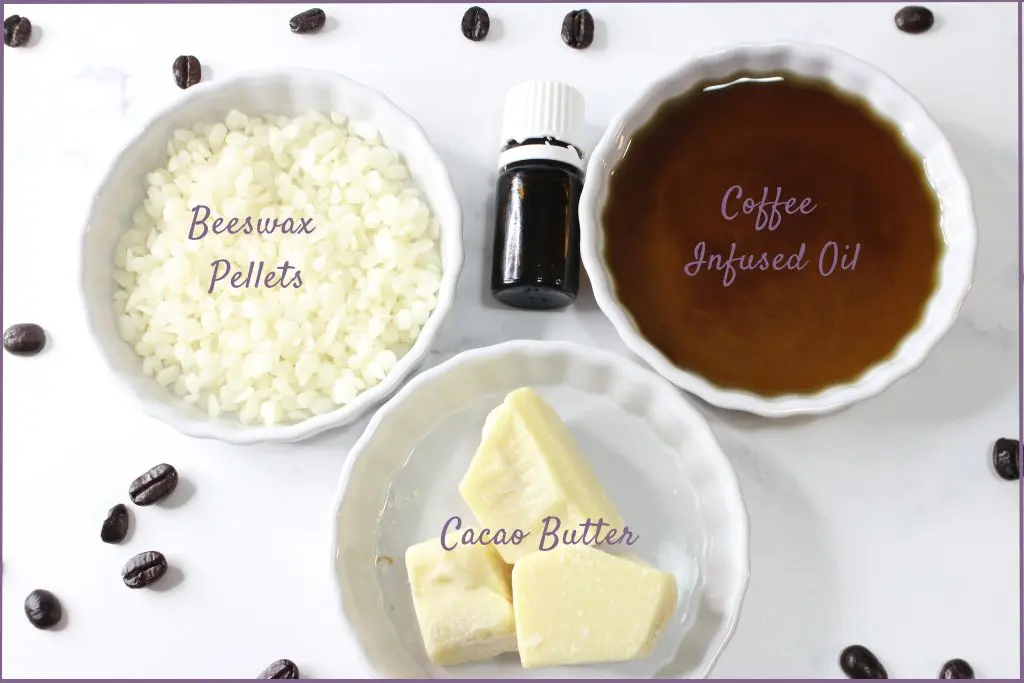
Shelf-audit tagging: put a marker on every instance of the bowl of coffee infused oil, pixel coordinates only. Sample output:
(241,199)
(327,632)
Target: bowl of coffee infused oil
(779,229)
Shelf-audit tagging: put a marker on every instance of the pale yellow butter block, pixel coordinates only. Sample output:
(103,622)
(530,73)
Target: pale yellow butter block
(578,605)
(463,602)
(528,467)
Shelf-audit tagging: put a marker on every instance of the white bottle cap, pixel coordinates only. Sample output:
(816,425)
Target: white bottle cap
(543,109)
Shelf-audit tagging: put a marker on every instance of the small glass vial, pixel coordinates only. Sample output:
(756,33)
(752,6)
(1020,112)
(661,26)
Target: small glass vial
(536,261)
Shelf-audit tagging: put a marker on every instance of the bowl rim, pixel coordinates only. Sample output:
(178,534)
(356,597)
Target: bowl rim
(453,250)
(538,347)
(952,291)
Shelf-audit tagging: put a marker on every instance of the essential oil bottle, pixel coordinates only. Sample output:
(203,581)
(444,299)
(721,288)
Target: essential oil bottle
(536,261)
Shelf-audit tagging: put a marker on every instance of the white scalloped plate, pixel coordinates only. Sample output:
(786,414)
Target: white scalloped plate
(653,451)
(282,92)
(890,101)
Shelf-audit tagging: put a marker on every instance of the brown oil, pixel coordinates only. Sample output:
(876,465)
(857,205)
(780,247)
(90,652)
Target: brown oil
(791,300)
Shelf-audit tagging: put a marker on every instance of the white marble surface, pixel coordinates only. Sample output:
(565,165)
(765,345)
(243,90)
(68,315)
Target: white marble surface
(882,524)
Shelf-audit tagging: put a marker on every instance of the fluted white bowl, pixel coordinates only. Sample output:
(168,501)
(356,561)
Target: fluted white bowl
(291,92)
(653,451)
(891,102)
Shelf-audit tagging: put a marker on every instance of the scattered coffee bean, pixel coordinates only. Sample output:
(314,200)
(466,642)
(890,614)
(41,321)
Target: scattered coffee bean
(17,30)
(187,71)
(578,29)
(1006,458)
(115,526)
(282,668)
(310,21)
(24,339)
(476,23)
(914,19)
(42,608)
(859,662)
(956,668)
(144,569)
(154,485)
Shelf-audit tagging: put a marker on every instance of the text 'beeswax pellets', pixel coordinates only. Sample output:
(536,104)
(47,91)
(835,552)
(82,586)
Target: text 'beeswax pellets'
(463,602)
(529,467)
(578,605)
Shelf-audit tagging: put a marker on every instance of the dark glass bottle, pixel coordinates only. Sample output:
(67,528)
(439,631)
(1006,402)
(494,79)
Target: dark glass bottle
(536,259)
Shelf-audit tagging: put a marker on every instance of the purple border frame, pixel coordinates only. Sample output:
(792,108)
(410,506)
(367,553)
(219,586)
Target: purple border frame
(1020,206)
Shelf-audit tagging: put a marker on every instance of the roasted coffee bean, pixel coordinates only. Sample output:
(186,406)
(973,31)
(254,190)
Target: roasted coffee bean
(144,569)
(24,339)
(1006,458)
(187,71)
(282,668)
(310,21)
(914,19)
(859,662)
(578,29)
(476,23)
(17,30)
(42,608)
(154,485)
(956,668)
(115,526)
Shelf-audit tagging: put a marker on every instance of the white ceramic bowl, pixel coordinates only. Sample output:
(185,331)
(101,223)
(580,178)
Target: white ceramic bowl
(281,93)
(654,452)
(890,101)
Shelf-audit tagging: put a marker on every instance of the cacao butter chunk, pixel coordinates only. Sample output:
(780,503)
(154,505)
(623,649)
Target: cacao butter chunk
(578,605)
(528,467)
(463,602)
